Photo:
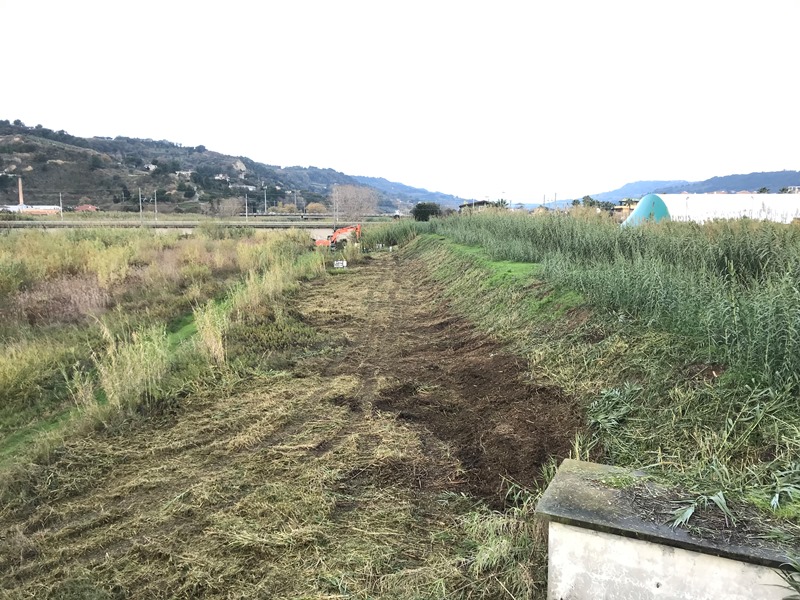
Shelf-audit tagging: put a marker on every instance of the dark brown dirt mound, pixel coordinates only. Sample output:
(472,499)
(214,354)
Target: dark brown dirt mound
(435,371)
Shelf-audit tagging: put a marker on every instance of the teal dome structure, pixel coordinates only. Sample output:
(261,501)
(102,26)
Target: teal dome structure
(651,208)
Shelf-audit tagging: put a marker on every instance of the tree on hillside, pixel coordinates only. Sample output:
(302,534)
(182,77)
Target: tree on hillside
(352,202)
(763,190)
(316,207)
(423,211)
(783,190)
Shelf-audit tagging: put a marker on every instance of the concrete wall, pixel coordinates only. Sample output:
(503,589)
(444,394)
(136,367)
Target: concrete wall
(606,543)
(590,565)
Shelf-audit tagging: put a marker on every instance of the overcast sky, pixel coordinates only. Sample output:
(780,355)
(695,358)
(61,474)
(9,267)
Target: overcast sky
(515,99)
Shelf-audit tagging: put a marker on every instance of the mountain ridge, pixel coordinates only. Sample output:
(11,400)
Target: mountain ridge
(773,181)
(111,172)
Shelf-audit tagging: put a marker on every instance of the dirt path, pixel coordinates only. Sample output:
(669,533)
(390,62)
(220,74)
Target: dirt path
(331,479)
(432,369)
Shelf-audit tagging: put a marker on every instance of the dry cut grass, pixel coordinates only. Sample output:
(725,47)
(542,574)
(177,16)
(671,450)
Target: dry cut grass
(275,488)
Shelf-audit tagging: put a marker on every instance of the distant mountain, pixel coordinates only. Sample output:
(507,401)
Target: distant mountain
(557,204)
(772,180)
(637,189)
(111,173)
(409,194)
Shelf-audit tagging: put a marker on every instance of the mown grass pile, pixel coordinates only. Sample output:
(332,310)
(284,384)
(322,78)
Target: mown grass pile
(262,488)
(687,361)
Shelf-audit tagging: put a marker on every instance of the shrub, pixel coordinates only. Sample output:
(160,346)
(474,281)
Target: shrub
(423,211)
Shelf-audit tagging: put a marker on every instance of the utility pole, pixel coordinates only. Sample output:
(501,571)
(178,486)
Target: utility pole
(245,206)
(335,197)
(60,206)
(155,199)
(265,202)
(141,216)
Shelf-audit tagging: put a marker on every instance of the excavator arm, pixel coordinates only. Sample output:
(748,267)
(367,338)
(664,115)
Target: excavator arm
(341,236)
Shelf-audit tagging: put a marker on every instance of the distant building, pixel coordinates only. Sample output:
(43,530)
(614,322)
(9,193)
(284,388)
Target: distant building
(621,211)
(86,208)
(28,209)
(476,206)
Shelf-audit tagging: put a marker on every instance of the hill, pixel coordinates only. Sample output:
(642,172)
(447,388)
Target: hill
(112,172)
(637,189)
(773,181)
(751,182)
(409,194)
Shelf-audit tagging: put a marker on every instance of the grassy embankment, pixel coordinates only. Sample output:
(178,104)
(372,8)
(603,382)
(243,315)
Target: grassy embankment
(72,301)
(683,341)
(199,463)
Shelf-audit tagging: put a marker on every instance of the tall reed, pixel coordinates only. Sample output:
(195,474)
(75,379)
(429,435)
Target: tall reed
(130,371)
(733,284)
(213,320)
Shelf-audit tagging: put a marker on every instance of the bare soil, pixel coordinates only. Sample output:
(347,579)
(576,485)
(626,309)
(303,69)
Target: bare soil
(331,479)
(434,370)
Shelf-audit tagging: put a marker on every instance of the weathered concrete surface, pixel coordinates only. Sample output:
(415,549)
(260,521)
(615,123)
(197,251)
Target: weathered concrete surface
(592,565)
(602,546)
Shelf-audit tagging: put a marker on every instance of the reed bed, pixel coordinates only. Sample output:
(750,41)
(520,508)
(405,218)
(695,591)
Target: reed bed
(732,284)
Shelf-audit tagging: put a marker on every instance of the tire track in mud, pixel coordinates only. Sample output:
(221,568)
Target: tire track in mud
(435,371)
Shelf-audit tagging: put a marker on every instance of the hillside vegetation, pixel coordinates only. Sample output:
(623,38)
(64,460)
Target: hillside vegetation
(110,173)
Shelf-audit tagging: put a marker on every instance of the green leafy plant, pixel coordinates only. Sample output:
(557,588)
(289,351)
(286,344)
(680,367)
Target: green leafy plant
(792,577)
(685,512)
(787,483)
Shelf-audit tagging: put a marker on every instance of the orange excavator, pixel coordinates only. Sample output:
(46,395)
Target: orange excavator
(342,237)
